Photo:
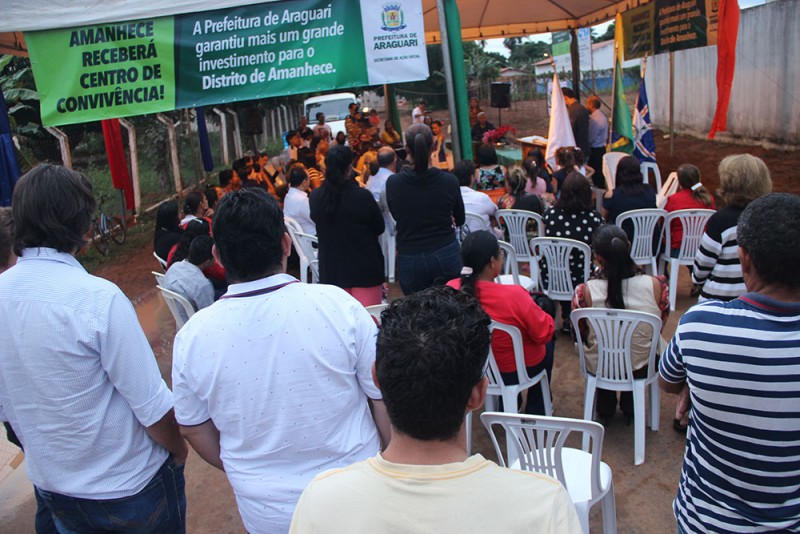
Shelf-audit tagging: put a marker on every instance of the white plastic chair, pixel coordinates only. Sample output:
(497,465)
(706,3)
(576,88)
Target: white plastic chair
(389,246)
(614,330)
(158,276)
(306,255)
(307,242)
(498,388)
(510,274)
(645,225)
(516,223)
(536,443)
(647,167)
(472,223)
(694,225)
(162,263)
(178,305)
(375,311)
(556,251)
(610,162)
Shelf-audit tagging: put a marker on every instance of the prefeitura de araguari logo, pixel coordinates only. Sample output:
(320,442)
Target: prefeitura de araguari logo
(392,17)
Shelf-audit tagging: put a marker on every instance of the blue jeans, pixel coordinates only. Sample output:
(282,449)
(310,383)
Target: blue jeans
(416,272)
(159,508)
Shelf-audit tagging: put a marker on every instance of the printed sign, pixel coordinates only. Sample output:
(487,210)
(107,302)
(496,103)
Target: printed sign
(212,57)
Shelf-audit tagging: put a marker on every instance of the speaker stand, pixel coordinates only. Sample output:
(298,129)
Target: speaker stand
(499,117)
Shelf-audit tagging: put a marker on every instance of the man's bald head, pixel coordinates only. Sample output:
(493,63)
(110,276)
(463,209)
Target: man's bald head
(386,157)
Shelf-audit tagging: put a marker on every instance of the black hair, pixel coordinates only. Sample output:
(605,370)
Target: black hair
(565,156)
(477,250)
(290,134)
(487,155)
(568,92)
(419,141)
(6,237)
(192,201)
(52,207)
(769,231)
(307,156)
(629,176)
(167,217)
(200,249)
(575,194)
(538,157)
(297,175)
(211,196)
(248,233)
(464,170)
(338,162)
(611,243)
(225,177)
(431,352)
(195,227)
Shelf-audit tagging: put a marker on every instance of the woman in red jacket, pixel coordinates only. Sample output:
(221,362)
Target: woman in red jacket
(511,305)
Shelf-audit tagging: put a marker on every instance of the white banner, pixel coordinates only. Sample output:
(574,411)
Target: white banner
(585,48)
(394,40)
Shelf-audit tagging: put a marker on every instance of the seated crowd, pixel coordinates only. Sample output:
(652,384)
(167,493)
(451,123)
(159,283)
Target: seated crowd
(324,421)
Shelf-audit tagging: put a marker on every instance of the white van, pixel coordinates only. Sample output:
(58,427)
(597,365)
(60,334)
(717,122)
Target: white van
(334,106)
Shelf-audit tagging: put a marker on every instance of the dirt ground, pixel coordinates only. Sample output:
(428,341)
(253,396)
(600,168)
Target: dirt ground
(643,494)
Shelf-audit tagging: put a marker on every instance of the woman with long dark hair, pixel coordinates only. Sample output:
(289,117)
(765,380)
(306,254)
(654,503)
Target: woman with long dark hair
(194,207)
(622,285)
(508,304)
(349,222)
(691,194)
(629,193)
(572,217)
(426,203)
(168,229)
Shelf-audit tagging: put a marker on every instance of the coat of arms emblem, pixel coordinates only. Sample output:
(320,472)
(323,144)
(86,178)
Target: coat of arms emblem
(392,17)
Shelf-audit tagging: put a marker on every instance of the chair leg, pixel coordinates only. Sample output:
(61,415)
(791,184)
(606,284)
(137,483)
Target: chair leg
(490,404)
(655,406)
(548,400)
(653,267)
(639,411)
(674,270)
(510,404)
(392,254)
(303,271)
(609,507)
(468,423)
(534,268)
(588,406)
(582,509)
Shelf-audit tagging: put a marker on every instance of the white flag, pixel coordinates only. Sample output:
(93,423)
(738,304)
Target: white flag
(560,132)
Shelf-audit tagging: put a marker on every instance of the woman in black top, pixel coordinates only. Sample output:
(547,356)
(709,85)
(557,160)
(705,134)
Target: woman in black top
(629,193)
(168,229)
(426,203)
(349,222)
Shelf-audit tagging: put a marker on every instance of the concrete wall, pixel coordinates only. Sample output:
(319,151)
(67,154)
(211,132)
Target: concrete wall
(765,100)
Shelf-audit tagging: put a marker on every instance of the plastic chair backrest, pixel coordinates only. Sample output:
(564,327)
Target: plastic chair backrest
(614,331)
(472,223)
(538,440)
(493,371)
(610,162)
(180,307)
(645,224)
(306,242)
(694,225)
(516,223)
(510,265)
(556,252)
(375,311)
(158,276)
(292,224)
(162,263)
(646,168)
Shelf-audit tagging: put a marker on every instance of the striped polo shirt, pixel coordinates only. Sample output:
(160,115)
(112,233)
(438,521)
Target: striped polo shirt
(741,469)
(716,264)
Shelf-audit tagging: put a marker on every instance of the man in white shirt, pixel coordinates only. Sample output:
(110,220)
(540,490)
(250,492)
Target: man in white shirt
(598,137)
(289,154)
(281,393)
(377,184)
(475,201)
(418,113)
(322,130)
(78,380)
(430,367)
(186,277)
(295,205)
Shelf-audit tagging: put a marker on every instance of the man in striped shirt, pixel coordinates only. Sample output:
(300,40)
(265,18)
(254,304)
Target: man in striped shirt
(738,363)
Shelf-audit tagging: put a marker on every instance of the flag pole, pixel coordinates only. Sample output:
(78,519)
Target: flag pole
(613,93)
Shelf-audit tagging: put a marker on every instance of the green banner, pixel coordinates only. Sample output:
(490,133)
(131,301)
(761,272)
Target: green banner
(561,42)
(227,55)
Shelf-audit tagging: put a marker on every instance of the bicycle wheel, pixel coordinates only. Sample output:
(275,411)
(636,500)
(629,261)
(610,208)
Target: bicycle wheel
(117,230)
(99,239)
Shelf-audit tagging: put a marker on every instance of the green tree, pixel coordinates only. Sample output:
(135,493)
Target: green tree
(525,54)
(607,36)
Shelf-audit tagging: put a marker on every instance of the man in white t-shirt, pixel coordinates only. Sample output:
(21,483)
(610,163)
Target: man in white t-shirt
(418,113)
(430,367)
(377,184)
(295,205)
(475,201)
(322,130)
(280,392)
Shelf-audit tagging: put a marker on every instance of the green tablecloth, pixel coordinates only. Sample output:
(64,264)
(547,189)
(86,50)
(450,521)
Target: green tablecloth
(509,156)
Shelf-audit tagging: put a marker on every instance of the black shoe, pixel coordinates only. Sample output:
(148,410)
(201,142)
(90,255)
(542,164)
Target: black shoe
(565,329)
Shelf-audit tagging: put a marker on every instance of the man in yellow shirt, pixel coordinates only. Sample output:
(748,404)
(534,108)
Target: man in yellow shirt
(431,357)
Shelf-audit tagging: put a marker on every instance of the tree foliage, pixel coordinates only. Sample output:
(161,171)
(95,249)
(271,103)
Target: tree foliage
(607,36)
(525,53)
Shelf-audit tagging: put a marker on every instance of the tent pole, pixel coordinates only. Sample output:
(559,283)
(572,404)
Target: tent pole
(453,50)
(576,63)
(671,102)
(613,99)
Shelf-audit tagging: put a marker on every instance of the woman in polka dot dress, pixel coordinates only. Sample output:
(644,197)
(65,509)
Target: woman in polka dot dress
(572,217)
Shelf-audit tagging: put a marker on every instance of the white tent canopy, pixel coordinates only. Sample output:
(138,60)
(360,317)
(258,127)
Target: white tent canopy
(480,19)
